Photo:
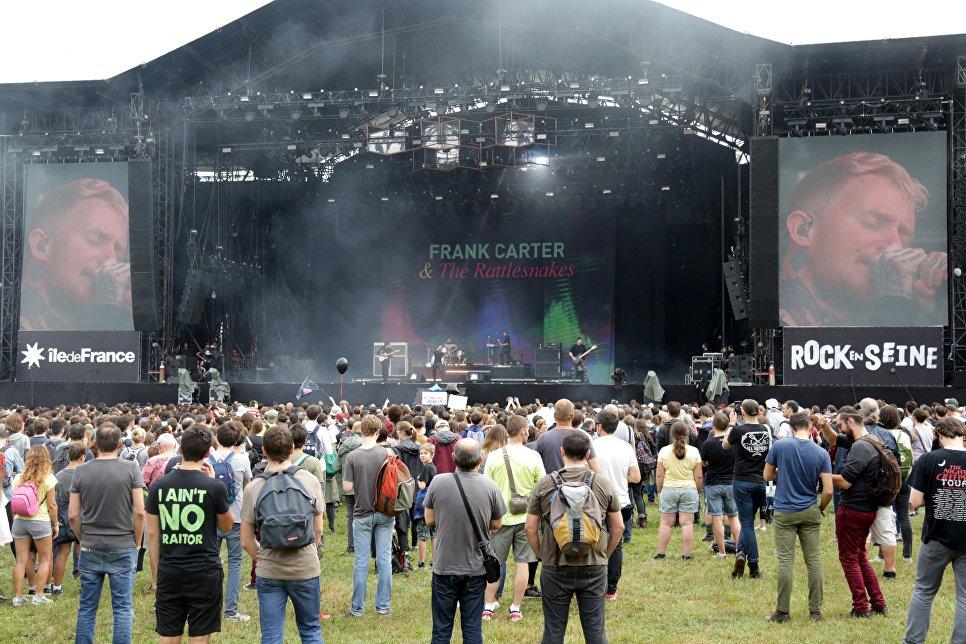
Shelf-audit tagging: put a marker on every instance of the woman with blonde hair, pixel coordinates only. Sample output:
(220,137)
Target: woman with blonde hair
(34,507)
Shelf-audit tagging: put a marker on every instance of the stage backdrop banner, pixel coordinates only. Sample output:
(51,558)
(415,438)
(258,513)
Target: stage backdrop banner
(78,356)
(895,356)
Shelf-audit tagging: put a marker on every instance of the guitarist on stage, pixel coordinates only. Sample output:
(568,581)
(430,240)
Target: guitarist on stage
(384,353)
(579,360)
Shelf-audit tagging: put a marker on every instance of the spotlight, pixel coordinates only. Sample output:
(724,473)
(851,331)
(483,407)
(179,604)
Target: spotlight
(541,106)
(343,113)
(306,96)
(98,150)
(249,116)
(296,115)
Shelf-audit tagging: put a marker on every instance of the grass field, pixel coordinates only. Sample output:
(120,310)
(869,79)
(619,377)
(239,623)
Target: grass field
(670,600)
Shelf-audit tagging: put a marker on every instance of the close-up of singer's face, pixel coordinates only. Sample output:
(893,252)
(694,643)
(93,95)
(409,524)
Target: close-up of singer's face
(866,215)
(91,234)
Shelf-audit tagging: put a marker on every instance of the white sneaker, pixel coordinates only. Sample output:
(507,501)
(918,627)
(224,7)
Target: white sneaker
(721,555)
(762,528)
(19,601)
(41,600)
(237,617)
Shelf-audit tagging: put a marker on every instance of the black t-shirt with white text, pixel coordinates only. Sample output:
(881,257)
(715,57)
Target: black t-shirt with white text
(721,462)
(751,443)
(941,477)
(187,503)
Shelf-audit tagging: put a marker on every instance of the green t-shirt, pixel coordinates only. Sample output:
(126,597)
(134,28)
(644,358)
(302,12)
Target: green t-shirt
(527,471)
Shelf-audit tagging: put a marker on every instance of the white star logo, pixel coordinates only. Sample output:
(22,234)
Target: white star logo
(33,355)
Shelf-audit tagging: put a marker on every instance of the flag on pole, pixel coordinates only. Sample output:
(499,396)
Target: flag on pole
(306,388)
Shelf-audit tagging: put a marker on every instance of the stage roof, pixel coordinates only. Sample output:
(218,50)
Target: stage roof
(828,21)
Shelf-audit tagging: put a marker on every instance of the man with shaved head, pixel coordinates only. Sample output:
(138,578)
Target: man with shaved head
(458,574)
(549,443)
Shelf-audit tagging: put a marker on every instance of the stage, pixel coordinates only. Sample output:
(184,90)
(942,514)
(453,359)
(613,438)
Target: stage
(50,394)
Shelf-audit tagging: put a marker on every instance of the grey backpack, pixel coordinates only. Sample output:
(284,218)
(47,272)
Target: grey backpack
(284,511)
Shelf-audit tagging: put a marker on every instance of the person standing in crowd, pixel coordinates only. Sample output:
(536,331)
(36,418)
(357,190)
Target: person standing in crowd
(798,466)
(515,470)
(424,533)
(883,530)
(285,571)
(359,475)
(618,463)
(922,433)
(444,440)
(936,479)
(458,575)
(107,514)
(13,423)
(566,574)
(856,514)
(234,472)
(34,507)
(187,509)
(65,539)
(890,421)
(679,480)
(550,442)
(718,467)
(751,442)
(352,441)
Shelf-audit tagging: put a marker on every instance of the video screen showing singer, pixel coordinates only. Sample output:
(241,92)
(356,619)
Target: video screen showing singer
(76,267)
(851,254)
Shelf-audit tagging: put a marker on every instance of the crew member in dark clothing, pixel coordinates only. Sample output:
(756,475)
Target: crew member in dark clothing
(505,348)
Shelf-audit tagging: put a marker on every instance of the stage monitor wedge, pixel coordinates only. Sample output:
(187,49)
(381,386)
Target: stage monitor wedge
(141,239)
(763,234)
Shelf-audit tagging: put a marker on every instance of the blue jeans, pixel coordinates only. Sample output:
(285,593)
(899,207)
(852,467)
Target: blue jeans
(750,498)
(233,537)
(465,591)
(272,595)
(118,565)
(363,529)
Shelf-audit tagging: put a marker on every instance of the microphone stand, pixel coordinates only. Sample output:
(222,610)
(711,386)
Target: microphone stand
(855,397)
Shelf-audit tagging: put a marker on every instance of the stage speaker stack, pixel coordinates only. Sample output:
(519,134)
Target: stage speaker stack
(733,284)
(194,296)
(742,368)
(547,366)
(141,242)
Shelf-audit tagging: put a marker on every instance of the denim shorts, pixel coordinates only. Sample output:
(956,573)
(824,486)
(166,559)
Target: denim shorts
(720,500)
(23,528)
(679,499)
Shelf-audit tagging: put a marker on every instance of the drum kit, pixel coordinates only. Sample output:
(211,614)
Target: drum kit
(452,354)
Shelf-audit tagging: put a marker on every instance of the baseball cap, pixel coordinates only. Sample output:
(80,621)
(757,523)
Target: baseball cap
(441,424)
(771,403)
(952,401)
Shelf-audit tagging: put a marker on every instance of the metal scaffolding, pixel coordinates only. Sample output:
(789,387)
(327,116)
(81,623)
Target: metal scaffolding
(11,167)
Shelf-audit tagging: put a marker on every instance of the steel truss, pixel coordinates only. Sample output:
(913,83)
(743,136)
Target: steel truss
(11,201)
(957,217)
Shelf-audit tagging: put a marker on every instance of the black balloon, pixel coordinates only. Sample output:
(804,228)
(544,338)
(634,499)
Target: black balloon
(342,365)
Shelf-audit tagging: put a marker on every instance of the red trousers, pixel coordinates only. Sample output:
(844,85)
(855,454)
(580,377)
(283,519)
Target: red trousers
(851,531)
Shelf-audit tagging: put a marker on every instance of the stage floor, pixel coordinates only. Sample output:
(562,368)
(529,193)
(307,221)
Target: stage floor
(50,394)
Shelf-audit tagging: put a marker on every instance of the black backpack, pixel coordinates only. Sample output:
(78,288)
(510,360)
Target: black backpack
(284,511)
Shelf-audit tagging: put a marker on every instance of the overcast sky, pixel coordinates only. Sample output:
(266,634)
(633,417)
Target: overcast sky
(52,40)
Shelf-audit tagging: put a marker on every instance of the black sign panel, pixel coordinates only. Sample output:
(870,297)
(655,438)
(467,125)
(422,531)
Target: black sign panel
(78,356)
(864,356)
